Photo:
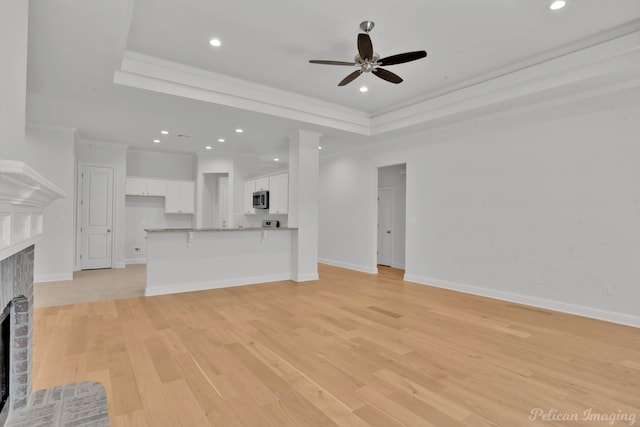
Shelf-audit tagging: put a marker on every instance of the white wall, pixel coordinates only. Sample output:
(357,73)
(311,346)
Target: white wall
(148,212)
(50,153)
(540,206)
(104,153)
(395,177)
(14,15)
(155,164)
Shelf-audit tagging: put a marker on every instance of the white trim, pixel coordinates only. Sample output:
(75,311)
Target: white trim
(121,265)
(362,268)
(215,284)
(128,261)
(580,310)
(552,74)
(307,277)
(151,73)
(40,278)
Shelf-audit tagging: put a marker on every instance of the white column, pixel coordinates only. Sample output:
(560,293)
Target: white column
(303,204)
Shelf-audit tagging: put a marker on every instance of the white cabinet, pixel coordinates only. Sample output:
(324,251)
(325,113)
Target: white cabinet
(180,197)
(278,187)
(279,194)
(249,188)
(145,187)
(262,184)
(156,187)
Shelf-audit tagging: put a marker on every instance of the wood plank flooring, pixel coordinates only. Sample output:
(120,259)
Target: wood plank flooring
(351,349)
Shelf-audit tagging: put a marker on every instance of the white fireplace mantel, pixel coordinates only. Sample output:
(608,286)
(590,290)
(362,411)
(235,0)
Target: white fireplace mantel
(24,193)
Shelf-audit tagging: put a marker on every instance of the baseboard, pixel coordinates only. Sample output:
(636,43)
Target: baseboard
(304,277)
(135,261)
(215,284)
(39,278)
(362,268)
(580,310)
(121,265)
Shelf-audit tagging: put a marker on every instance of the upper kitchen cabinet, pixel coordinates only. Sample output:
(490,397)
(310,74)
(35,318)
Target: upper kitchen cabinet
(249,188)
(279,194)
(180,198)
(145,187)
(262,184)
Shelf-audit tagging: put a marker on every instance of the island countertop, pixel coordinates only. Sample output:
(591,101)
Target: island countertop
(171,230)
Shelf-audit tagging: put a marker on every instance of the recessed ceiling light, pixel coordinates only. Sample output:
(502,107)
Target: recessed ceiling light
(364,89)
(157,141)
(276,159)
(220,139)
(164,132)
(208,147)
(239,130)
(557,4)
(319,147)
(215,42)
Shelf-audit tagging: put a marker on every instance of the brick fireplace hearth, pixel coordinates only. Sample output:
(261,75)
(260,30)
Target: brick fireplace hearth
(23,196)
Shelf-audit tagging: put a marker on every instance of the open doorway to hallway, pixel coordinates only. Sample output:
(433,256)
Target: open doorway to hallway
(392,200)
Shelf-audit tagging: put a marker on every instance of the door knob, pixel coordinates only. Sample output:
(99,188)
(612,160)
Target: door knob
(108,230)
(388,231)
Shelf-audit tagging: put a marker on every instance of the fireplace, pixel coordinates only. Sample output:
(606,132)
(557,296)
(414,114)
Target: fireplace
(16,295)
(24,193)
(5,336)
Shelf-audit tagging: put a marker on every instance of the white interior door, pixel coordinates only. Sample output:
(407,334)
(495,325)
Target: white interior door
(385,225)
(97,217)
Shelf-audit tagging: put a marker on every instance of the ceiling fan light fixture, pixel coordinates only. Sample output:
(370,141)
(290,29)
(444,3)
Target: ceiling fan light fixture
(368,61)
(364,89)
(367,26)
(557,4)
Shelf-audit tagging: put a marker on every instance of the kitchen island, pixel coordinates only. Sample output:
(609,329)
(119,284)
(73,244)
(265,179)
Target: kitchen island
(193,259)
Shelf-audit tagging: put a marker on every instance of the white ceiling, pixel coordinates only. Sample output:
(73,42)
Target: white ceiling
(260,78)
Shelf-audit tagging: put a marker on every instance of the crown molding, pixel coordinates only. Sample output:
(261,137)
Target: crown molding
(600,66)
(146,72)
(589,64)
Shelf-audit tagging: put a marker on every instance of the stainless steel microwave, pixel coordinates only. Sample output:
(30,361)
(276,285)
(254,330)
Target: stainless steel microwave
(261,200)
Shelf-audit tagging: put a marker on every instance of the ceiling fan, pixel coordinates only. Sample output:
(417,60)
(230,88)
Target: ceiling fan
(368,61)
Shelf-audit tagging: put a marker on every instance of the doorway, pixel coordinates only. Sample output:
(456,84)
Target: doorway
(391,224)
(96,216)
(215,200)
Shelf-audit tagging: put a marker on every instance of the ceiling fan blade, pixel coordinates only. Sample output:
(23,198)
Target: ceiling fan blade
(387,75)
(365,47)
(319,61)
(351,77)
(402,57)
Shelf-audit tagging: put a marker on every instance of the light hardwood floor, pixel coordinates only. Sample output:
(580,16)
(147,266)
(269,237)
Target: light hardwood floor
(93,285)
(351,349)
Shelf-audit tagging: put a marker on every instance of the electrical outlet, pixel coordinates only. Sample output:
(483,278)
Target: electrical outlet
(136,250)
(606,290)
